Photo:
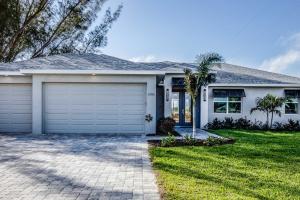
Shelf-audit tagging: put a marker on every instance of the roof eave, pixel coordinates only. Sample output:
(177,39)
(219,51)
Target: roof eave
(11,73)
(288,85)
(94,72)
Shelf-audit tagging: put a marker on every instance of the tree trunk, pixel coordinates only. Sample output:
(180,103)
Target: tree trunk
(267,119)
(271,120)
(194,119)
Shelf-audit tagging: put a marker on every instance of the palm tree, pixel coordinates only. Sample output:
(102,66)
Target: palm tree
(202,77)
(271,105)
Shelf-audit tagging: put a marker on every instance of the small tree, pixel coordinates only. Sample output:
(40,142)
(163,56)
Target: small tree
(269,104)
(202,77)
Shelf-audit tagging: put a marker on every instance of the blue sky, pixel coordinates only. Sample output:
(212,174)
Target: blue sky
(255,33)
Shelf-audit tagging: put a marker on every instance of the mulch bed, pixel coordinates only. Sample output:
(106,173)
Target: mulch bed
(198,142)
(163,134)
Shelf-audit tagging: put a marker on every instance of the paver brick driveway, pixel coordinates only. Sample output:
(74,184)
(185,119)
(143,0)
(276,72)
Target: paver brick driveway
(75,167)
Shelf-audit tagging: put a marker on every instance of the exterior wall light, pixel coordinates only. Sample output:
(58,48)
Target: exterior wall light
(167,95)
(204,94)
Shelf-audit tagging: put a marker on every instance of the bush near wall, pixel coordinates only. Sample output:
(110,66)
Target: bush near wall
(244,123)
(166,126)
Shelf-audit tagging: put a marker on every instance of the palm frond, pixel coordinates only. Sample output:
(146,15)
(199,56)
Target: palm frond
(205,64)
(205,60)
(277,112)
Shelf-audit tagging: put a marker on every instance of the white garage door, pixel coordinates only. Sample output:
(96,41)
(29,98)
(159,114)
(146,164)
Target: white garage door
(94,108)
(15,108)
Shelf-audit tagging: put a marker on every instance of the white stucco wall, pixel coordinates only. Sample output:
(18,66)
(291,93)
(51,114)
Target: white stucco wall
(248,102)
(204,106)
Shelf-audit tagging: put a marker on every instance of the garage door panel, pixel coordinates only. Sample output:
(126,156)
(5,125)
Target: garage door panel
(130,122)
(24,118)
(106,101)
(21,108)
(132,112)
(55,108)
(106,122)
(14,120)
(81,116)
(58,101)
(15,128)
(15,108)
(94,108)
(134,127)
(80,122)
(102,113)
(53,123)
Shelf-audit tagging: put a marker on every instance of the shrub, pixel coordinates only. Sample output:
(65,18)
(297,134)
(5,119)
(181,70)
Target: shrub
(242,123)
(166,125)
(215,124)
(189,140)
(211,141)
(228,122)
(278,126)
(256,125)
(291,125)
(168,141)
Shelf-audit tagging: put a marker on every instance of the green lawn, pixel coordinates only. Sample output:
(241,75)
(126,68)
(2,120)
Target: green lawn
(260,165)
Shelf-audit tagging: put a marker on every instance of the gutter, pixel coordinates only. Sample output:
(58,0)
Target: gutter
(94,72)
(291,85)
(10,73)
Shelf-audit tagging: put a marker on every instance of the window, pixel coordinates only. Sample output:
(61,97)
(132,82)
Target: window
(228,105)
(291,107)
(175,106)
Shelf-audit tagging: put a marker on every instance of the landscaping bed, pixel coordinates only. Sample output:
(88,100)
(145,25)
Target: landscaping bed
(176,142)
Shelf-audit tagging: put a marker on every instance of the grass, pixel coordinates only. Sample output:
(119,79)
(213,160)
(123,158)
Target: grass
(260,165)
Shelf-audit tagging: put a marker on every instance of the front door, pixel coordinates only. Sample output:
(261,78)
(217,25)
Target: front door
(182,108)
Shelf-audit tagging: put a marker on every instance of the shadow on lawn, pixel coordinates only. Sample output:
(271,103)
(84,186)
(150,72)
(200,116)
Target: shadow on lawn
(220,182)
(188,173)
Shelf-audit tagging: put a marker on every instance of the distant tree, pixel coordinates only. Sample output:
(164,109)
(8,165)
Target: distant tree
(202,77)
(34,28)
(271,105)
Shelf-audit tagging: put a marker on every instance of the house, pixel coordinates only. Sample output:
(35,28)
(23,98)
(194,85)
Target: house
(92,93)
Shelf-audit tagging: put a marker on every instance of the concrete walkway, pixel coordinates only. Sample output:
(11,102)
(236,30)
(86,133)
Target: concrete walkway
(200,133)
(75,167)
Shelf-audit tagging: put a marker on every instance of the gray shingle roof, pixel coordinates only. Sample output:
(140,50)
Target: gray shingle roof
(227,73)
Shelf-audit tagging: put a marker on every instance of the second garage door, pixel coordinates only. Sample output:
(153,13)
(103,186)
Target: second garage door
(15,108)
(94,108)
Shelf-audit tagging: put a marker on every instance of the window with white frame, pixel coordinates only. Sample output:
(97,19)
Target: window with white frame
(291,107)
(227,105)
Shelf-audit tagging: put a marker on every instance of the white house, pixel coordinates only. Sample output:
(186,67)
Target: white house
(102,94)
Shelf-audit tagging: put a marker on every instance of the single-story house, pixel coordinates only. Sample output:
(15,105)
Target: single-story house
(92,93)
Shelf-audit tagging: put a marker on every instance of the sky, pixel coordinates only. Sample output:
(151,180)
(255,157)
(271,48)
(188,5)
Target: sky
(263,34)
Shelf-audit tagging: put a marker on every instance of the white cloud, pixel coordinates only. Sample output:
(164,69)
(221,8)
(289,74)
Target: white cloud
(146,58)
(283,61)
(291,41)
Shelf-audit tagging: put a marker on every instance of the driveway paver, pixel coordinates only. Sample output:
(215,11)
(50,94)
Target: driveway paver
(75,167)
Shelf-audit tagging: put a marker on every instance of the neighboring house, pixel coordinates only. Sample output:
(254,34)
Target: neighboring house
(102,94)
